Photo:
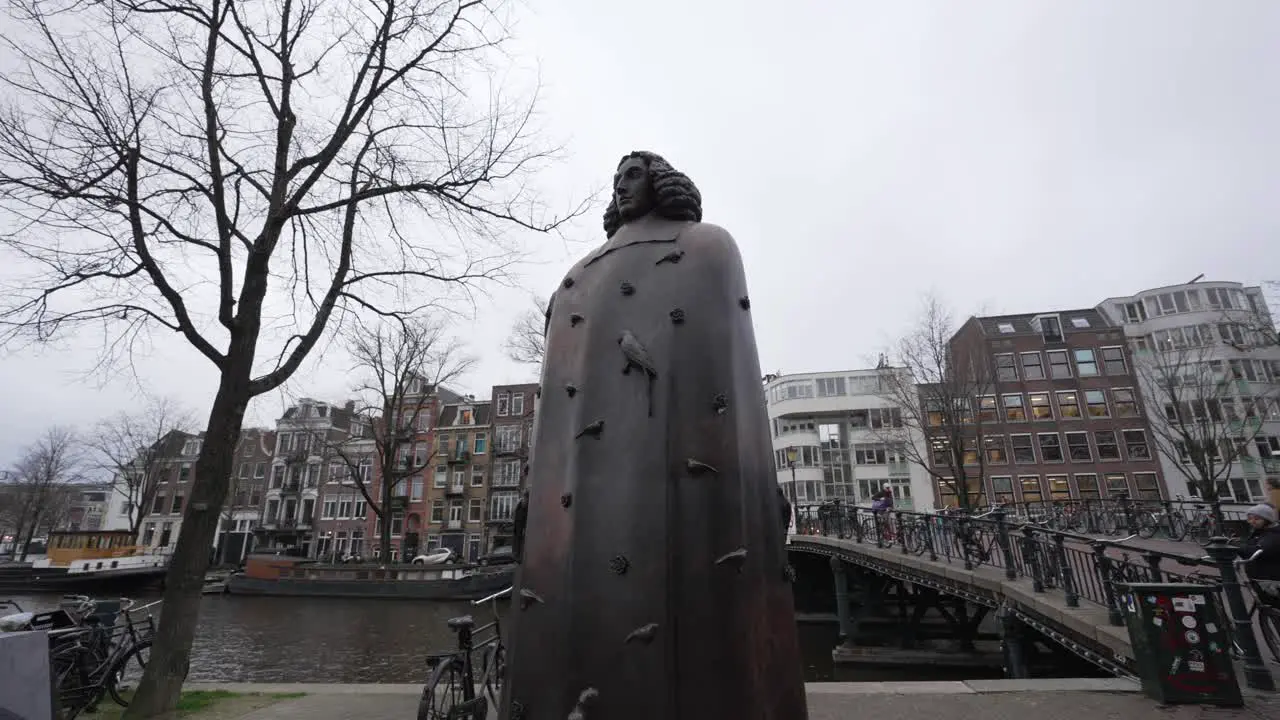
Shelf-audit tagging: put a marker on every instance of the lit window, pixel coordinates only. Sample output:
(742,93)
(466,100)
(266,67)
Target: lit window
(986,409)
(1117,484)
(1097,402)
(1013,409)
(995,448)
(1040,407)
(1068,403)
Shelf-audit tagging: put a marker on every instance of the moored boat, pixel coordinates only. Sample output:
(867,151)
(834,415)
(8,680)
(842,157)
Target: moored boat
(283,575)
(87,561)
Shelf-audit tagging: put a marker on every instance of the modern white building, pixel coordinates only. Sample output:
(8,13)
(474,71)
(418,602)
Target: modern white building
(834,437)
(1206,325)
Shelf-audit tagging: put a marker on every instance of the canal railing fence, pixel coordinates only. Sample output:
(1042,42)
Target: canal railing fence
(1079,567)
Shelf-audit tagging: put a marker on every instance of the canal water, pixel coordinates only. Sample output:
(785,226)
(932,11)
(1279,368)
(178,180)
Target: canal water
(281,639)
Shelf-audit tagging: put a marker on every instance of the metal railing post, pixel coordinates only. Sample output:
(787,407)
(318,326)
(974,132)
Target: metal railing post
(879,527)
(1105,569)
(1126,507)
(898,531)
(857,525)
(1065,572)
(1031,559)
(1006,547)
(1255,672)
(1153,565)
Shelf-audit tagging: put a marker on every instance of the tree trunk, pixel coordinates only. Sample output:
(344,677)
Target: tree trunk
(17,537)
(31,533)
(161,685)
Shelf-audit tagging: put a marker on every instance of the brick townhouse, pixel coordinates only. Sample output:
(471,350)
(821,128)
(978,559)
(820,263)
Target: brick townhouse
(513,412)
(243,510)
(457,493)
(306,437)
(1064,418)
(175,468)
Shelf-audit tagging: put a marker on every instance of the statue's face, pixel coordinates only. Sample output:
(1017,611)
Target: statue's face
(632,190)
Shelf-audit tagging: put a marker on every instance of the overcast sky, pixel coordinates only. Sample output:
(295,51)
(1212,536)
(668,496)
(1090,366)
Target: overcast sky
(1012,156)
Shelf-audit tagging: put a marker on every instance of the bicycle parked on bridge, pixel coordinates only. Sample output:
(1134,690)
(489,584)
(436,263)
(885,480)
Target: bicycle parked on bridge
(450,693)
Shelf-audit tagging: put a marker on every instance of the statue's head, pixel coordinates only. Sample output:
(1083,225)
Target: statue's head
(645,183)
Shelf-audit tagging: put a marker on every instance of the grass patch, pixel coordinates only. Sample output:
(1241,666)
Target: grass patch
(192,702)
(197,700)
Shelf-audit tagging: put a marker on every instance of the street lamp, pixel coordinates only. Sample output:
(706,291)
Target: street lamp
(792,453)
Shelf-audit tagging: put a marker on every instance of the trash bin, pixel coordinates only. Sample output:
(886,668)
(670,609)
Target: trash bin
(1181,643)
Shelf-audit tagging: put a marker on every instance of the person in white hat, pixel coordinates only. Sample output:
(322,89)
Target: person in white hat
(1264,537)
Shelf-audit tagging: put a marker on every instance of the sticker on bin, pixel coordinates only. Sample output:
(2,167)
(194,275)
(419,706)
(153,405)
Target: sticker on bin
(1211,628)
(1194,666)
(1184,605)
(1192,637)
(1188,621)
(1198,599)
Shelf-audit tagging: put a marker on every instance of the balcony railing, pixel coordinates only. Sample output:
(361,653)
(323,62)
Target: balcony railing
(502,481)
(453,525)
(460,457)
(294,457)
(510,449)
(456,489)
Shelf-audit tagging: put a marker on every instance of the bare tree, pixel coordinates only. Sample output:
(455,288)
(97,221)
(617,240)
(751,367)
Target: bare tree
(39,485)
(402,369)
(936,386)
(527,342)
(131,446)
(1205,414)
(240,174)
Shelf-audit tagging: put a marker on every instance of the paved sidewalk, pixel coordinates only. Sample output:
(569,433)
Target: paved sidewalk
(1095,699)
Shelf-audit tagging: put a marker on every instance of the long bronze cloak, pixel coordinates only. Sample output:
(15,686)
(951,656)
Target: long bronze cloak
(653,582)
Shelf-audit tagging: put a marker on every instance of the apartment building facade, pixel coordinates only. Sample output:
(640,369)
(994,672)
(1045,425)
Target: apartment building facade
(1063,418)
(514,408)
(458,490)
(306,437)
(243,509)
(836,435)
(175,468)
(1228,389)
(341,525)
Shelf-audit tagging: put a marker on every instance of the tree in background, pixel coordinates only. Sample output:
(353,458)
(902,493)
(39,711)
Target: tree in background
(1205,413)
(936,390)
(403,368)
(242,175)
(39,493)
(131,446)
(526,344)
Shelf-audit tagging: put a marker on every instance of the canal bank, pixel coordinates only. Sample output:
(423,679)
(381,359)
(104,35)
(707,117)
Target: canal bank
(1059,699)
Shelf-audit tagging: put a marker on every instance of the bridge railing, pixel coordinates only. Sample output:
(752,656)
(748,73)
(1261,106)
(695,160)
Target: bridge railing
(1077,566)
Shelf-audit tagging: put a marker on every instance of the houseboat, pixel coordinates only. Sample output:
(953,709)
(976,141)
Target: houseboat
(87,561)
(285,575)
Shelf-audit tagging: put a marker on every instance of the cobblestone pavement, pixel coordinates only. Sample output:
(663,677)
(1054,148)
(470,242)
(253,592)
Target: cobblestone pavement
(975,700)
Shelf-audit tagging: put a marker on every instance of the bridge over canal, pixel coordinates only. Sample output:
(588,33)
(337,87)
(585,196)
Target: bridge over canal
(1040,585)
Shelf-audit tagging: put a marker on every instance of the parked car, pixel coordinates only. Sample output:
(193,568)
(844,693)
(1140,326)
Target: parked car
(500,556)
(436,557)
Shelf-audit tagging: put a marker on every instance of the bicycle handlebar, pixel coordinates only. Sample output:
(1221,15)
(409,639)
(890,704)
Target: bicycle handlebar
(495,596)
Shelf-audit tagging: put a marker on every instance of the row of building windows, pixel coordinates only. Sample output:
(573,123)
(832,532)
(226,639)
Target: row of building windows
(1039,406)
(1107,446)
(1035,488)
(510,404)
(1185,301)
(1057,364)
(827,387)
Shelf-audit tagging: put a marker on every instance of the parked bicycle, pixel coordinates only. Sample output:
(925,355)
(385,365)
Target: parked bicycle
(450,693)
(99,656)
(1265,607)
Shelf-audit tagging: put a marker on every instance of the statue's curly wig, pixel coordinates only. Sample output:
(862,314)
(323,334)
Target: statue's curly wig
(675,195)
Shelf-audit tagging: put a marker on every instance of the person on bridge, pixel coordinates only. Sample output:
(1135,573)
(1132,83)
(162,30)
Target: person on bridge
(1264,537)
(882,500)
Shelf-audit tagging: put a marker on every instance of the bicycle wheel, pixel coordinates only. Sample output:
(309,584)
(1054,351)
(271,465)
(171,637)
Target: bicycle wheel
(1147,525)
(1176,527)
(1270,624)
(445,695)
(124,676)
(494,672)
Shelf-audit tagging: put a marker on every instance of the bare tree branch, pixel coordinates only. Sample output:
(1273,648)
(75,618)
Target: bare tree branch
(131,447)
(527,342)
(937,386)
(37,495)
(246,176)
(402,368)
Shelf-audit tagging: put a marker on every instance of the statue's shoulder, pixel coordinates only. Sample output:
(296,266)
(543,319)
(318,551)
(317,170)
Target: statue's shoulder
(709,240)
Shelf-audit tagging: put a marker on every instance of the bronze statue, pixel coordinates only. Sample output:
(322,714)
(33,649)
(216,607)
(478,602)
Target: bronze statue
(653,582)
